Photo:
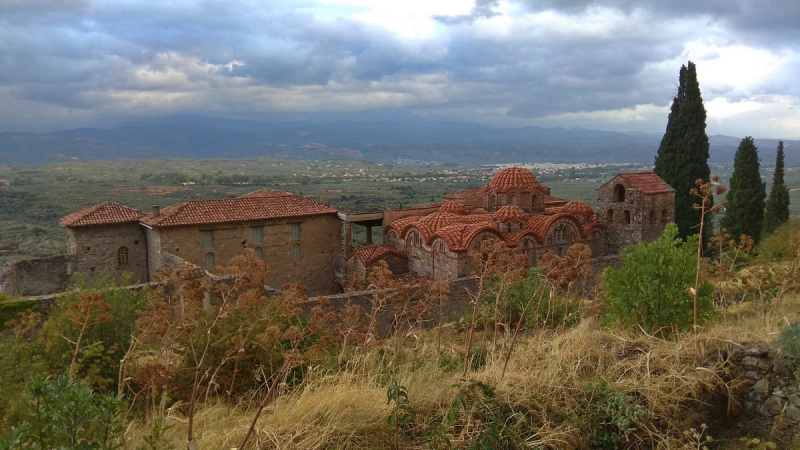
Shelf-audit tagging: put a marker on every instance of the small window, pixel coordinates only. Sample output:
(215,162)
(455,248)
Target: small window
(297,252)
(209,262)
(257,235)
(619,193)
(208,239)
(296,232)
(664,216)
(259,253)
(122,256)
(627,216)
(652,217)
(610,215)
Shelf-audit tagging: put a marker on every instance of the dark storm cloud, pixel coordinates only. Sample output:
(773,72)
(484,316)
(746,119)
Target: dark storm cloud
(120,56)
(483,9)
(773,22)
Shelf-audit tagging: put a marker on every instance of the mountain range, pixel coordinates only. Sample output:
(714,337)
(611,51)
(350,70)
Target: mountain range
(198,137)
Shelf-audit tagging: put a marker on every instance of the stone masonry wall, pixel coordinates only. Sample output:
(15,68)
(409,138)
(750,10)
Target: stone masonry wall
(97,251)
(320,240)
(39,276)
(770,396)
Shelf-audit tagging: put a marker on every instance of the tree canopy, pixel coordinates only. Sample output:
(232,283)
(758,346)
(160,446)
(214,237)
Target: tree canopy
(777,211)
(745,211)
(683,154)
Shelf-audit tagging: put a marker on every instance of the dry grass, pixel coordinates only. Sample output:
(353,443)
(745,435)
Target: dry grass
(545,379)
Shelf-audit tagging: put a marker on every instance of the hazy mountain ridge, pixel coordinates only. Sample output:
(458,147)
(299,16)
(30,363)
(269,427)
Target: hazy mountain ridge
(383,141)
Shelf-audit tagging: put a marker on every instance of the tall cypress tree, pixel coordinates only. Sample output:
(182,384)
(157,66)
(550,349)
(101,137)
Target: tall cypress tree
(683,154)
(777,211)
(745,211)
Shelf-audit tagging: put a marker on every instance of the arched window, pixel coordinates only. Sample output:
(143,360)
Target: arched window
(297,252)
(560,234)
(534,202)
(529,248)
(122,256)
(259,253)
(391,237)
(492,203)
(610,216)
(627,215)
(665,216)
(619,193)
(209,261)
(652,217)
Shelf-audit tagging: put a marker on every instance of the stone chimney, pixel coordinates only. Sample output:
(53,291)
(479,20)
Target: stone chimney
(156,210)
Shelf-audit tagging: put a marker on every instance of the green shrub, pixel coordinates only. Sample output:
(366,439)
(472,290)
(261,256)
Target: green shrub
(777,246)
(787,345)
(610,416)
(10,309)
(651,289)
(65,413)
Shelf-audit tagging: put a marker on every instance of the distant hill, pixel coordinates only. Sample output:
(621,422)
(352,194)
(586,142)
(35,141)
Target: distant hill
(383,141)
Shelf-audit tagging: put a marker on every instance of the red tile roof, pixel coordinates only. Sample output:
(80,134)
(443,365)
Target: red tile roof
(514,178)
(458,237)
(453,207)
(573,207)
(471,198)
(371,253)
(648,182)
(510,213)
(238,209)
(266,193)
(552,202)
(107,213)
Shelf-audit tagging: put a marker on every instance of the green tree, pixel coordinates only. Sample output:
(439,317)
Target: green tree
(777,211)
(745,211)
(652,289)
(683,154)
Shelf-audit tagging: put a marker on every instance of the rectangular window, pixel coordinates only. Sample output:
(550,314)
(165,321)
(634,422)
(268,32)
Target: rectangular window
(297,252)
(208,239)
(295,231)
(256,235)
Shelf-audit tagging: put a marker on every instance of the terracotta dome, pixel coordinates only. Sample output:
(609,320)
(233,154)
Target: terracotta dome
(453,208)
(514,178)
(438,220)
(510,214)
(577,207)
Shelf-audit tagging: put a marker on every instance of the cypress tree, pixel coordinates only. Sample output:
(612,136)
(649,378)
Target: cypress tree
(745,211)
(683,154)
(777,211)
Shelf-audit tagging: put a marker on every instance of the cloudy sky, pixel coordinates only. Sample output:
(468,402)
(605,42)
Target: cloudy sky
(606,64)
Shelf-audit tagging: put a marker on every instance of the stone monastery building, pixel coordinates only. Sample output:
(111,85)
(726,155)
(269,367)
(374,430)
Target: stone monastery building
(308,242)
(515,208)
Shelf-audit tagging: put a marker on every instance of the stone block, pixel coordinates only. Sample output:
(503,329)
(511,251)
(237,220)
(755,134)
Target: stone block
(775,405)
(761,387)
(756,350)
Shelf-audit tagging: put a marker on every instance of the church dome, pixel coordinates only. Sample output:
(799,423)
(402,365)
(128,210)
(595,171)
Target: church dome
(453,207)
(510,214)
(514,178)
(577,207)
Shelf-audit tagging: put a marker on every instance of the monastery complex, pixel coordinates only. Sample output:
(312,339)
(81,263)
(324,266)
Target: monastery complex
(310,243)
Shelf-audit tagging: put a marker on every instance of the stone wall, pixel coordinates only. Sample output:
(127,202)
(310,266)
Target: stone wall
(39,276)
(109,250)
(770,395)
(635,218)
(320,239)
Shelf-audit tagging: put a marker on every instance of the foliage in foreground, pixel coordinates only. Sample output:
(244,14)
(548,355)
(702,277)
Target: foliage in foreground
(652,289)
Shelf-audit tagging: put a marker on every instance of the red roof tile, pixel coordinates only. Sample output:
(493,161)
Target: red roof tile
(103,214)
(453,207)
(510,213)
(266,193)
(514,178)
(471,198)
(458,237)
(648,182)
(238,209)
(552,202)
(371,253)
